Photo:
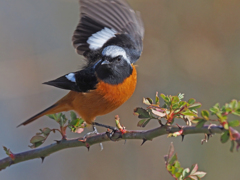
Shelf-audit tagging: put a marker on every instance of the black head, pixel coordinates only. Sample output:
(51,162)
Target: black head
(115,65)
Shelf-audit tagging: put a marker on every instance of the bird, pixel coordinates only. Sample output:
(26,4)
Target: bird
(109,36)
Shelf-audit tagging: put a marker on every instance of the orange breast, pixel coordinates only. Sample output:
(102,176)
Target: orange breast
(104,99)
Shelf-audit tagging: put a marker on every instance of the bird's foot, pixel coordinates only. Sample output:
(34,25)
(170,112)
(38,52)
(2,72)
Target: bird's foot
(89,134)
(111,135)
(103,125)
(110,131)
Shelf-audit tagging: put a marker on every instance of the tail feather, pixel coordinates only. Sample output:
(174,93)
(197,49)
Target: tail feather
(56,108)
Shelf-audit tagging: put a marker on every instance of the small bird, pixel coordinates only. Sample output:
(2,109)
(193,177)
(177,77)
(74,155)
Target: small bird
(109,36)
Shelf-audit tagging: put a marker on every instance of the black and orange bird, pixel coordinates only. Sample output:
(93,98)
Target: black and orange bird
(109,36)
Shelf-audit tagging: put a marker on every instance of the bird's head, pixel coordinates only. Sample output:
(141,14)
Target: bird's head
(115,65)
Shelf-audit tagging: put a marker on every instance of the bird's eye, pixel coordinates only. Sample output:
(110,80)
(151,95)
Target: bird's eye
(119,58)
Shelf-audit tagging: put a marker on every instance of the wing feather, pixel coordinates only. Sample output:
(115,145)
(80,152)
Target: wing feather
(115,15)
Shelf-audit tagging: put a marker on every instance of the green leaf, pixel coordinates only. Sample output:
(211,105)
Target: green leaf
(200,174)
(225,137)
(197,119)
(194,111)
(233,104)
(143,123)
(215,109)
(58,117)
(177,164)
(173,159)
(217,106)
(147,101)
(76,122)
(225,125)
(200,123)
(158,112)
(169,167)
(236,112)
(73,115)
(36,144)
(234,123)
(225,109)
(188,113)
(163,96)
(186,172)
(46,131)
(37,139)
(182,103)
(52,116)
(173,170)
(177,175)
(191,101)
(205,114)
(166,99)
(63,120)
(175,100)
(194,106)
(193,169)
(141,113)
(175,106)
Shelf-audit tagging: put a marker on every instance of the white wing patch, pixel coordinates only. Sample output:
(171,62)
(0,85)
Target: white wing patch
(114,51)
(98,39)
(71,77)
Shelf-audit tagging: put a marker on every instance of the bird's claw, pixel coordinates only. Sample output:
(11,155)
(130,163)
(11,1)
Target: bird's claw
(111,134)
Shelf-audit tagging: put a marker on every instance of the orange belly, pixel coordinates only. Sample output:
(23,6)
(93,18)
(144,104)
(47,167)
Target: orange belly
(104,99)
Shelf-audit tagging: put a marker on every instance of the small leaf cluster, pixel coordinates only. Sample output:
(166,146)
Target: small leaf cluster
(40,137)
(222,112)
(75,125)
(179,173)
(9,153)
(173,107)
(222,115)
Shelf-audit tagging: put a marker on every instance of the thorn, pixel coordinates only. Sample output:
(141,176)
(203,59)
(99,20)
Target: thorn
(42,159)
(144,140)
(180,127)
(160,122)
(87,146)
(182,137)
(83,140)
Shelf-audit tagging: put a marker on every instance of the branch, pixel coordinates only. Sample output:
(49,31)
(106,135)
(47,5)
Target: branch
(137,134)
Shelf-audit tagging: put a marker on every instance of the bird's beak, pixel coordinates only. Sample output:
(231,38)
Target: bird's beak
(105,62)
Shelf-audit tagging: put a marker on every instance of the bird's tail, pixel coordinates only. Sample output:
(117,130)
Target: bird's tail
(59,106)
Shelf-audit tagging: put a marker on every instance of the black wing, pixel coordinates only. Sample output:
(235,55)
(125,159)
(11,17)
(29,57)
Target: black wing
(101,20)
(80,81)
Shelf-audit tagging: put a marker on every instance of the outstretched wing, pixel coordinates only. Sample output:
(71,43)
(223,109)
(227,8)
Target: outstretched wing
(80,81)
(102,20)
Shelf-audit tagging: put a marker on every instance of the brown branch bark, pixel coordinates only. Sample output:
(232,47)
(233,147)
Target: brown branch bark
(99,138)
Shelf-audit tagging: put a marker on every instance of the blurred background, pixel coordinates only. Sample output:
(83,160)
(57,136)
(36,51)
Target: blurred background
(190,46)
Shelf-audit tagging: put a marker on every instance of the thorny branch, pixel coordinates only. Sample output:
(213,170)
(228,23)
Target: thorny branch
(144,135)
